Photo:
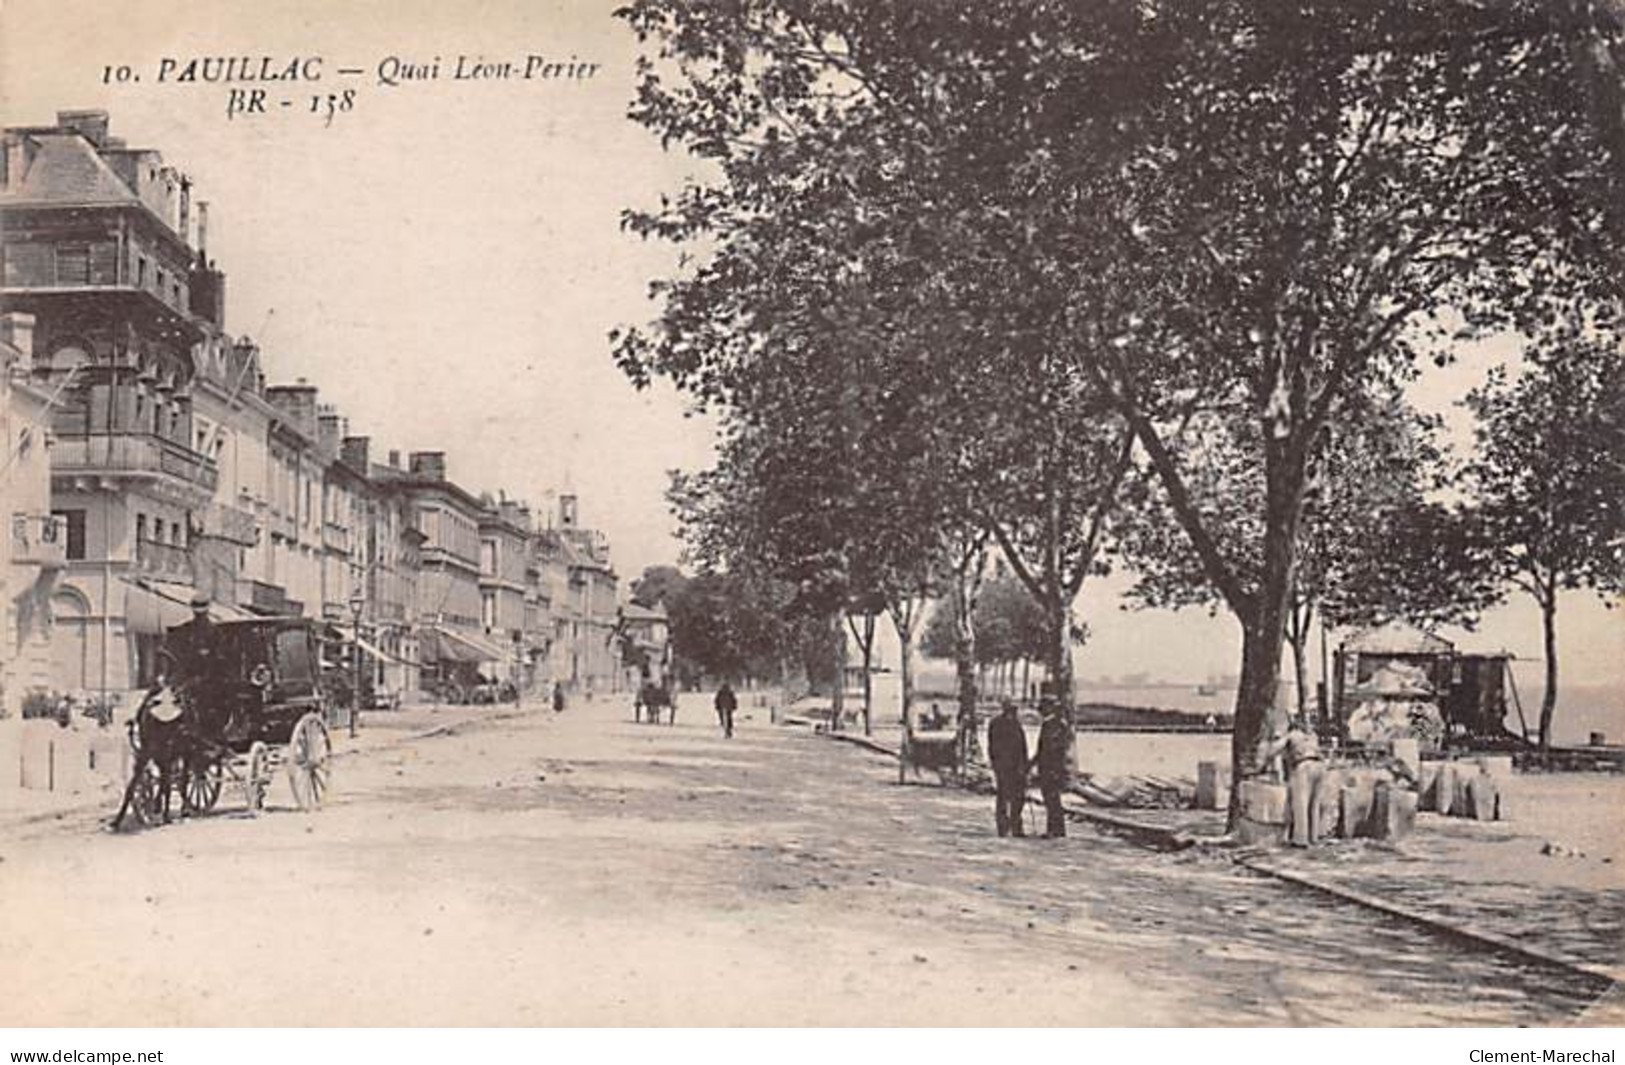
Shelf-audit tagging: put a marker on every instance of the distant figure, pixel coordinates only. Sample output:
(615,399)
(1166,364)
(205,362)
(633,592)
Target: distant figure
(1054,749)
(726,704)
(1007,754)
(1299,750)
(1212,723)
(558,696)
(935,719)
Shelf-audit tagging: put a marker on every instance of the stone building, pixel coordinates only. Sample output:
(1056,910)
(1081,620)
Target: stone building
(33,550)
(453,650)
(98,249)
(505,532)
(583,590)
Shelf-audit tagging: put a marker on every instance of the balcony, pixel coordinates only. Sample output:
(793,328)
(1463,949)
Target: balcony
(336,537)
(222,522)
(264,598)
(39,540)
(164,562)
(132,455)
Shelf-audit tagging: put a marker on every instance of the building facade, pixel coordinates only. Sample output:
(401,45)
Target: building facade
(34,550)
(97,248)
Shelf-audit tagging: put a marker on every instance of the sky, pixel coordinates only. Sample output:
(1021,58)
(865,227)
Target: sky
(445,260)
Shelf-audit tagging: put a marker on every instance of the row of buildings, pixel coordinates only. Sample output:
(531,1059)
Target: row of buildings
(148,460)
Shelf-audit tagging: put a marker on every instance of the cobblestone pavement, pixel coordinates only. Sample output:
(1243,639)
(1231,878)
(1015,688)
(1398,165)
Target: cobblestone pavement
(579,868)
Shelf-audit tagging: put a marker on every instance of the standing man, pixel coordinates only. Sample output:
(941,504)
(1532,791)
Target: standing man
(726,705)
(1007,754)
(558,696)
(1299,749)
(1054,751)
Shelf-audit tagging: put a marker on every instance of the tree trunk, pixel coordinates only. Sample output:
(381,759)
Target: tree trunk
(1548,700)
(965,660)
(905,669)
(1298,629)
(1058,664)
(837,697)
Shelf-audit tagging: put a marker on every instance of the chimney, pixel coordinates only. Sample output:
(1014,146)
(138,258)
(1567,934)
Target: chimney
(185,227)
(92,125)
(567,511)
(430,465)
(297,403)
(331,429)
(394,459)
(203,229)
(356,451)
(17,329)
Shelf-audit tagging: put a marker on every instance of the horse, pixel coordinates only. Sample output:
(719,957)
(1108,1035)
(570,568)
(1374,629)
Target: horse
(160,736)
(651,699)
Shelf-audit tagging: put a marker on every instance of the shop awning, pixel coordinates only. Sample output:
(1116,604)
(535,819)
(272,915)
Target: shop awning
(152,608)
(447,645)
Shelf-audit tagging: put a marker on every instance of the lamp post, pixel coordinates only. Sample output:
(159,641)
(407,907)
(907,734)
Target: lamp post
(356,603)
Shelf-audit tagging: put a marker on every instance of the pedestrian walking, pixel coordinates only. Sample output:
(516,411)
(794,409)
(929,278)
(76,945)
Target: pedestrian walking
(1007,754)
(1299,750)
(558,696)
(726,704)
(1054,753)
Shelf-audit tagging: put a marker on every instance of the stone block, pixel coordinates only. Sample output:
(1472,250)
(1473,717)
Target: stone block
(11,753)
(1481,798)
(1355,805)
(1212,786)
(1407,751)
(1263,812)
(1428,779)
(39,754)
(1393,812)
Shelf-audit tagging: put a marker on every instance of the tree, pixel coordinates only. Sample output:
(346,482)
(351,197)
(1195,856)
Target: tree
(659,584)
(1372,545)
(1548,478)
(1237,212)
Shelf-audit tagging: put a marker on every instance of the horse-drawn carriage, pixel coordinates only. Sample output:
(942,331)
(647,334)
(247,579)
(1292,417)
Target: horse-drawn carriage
(941,750)
(239,700)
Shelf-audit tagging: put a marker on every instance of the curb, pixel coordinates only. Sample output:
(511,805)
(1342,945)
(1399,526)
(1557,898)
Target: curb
(1480,937)
(1167,839)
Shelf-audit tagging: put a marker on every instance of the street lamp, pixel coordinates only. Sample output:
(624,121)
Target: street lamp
(356,603)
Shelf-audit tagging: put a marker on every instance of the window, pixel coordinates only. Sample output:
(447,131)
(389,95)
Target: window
(140,527)
(158,530)
(488,610)
(141,271)
(75,521)
(72,264)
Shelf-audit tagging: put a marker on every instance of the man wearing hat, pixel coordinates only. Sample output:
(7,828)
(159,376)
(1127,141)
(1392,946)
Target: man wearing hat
(193,644)
(1054,756)
(1007,755)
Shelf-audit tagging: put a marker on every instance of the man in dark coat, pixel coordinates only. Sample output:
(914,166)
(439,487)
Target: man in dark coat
(1054,756)
(726,705)
(1007,754)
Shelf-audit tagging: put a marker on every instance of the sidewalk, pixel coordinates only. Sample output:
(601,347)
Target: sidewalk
(379,730)
(1550,883)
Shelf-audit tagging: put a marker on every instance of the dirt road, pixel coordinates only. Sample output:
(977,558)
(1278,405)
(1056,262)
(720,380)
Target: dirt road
(583,869)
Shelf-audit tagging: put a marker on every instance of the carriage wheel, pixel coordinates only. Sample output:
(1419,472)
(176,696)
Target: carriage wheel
(202,788)
(257,777)
(309,752)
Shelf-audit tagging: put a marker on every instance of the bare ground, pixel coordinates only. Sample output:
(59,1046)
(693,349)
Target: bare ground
(581,869)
